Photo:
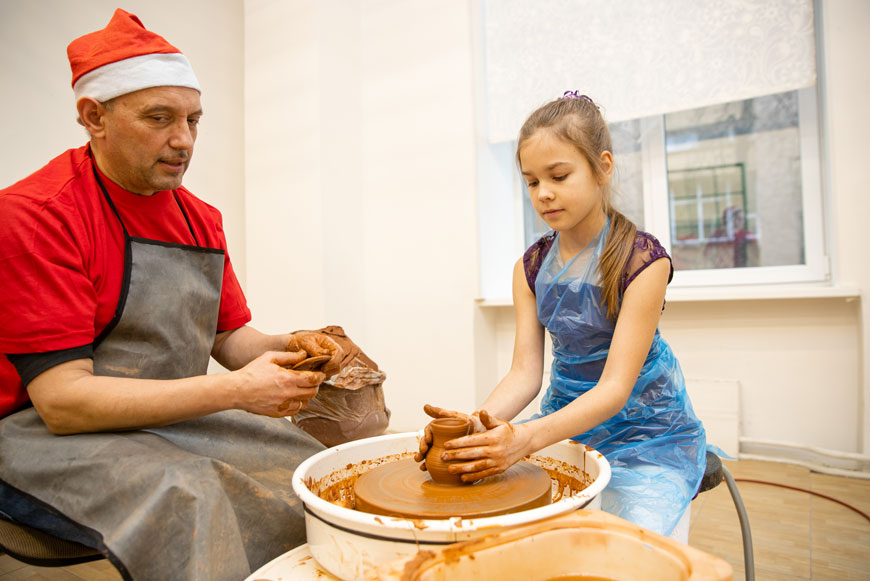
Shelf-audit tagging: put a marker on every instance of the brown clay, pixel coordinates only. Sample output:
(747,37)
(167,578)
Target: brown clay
(337,415)
(443,430)
(401,489)
(580,578)
(311,363)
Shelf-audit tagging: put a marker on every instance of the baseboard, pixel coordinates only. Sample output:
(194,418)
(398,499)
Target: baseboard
(816,459)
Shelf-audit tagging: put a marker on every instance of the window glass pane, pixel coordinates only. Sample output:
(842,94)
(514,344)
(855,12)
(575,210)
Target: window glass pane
(533,226)
(734,184)
(627,182)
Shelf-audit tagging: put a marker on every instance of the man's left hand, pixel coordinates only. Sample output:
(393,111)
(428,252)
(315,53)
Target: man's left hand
(316,344)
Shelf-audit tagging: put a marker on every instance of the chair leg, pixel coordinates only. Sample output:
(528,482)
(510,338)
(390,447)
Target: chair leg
(748,557)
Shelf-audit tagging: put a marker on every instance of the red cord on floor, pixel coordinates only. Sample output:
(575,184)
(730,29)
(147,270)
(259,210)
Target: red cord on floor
(825,496)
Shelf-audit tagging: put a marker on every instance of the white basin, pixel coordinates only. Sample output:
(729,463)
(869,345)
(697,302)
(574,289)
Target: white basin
(348,543)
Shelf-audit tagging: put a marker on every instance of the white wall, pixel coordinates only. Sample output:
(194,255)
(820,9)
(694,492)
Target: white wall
(847,69)
(353,198)
(361,185)
(37,116)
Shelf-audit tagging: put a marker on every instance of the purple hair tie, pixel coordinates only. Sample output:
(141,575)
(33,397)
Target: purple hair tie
(576,95)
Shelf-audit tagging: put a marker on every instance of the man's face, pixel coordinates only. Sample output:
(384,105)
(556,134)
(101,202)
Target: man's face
(149,137)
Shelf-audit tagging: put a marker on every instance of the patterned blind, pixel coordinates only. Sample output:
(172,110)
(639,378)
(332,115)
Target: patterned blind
(641,57)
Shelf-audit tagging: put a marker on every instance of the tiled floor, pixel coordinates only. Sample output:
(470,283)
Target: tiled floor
(10,570)
(795,535)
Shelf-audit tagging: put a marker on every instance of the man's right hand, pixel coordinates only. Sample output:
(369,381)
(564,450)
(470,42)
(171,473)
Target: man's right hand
(268,388)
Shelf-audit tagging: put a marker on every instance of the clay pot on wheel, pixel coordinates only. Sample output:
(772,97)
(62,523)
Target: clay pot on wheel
(444,429)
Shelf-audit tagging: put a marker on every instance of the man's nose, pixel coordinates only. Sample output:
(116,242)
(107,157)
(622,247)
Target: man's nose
(183,136)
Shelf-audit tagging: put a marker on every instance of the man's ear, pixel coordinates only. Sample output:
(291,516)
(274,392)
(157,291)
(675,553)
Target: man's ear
(91,115)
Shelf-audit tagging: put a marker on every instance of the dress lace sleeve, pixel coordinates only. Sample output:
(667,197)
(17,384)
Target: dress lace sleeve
(534,257)
(646,250)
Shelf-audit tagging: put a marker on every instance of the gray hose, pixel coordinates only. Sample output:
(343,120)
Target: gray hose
(748,558)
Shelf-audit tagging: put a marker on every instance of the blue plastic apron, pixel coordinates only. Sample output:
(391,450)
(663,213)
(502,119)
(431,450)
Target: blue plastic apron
(656,445)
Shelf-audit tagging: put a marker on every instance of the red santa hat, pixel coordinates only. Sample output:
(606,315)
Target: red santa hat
(124,57)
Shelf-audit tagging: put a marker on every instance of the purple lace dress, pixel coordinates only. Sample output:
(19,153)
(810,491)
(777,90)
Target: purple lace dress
(645,251)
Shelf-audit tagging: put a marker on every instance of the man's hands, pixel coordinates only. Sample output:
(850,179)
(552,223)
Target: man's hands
(313,344)
(268,388)
(493,448)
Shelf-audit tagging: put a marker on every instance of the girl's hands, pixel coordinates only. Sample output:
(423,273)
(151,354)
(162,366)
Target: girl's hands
(436,412)
(490,452)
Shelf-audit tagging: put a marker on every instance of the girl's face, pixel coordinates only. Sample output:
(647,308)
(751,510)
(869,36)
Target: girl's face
(565,191)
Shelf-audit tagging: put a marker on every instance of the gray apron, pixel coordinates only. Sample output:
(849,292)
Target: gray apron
(208,498)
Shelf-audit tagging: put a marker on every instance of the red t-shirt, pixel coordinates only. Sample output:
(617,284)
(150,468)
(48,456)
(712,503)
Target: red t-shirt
(62,258)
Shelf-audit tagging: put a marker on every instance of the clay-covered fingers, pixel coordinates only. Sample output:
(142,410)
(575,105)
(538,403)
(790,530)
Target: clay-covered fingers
(285,406)
(318,345)
(292,406)
(480,468)
(490,421)
(487,453)
(472,447)
(322,345)
(302,395)
(496,435)
(426,439)
(289,359)
(472,471)
(436,412)
(424,444)
(307,378)
(311,363)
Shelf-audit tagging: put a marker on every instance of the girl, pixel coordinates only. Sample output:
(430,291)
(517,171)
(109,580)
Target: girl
(597,284)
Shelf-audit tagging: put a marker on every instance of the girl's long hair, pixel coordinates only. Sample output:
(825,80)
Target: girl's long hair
(578,121)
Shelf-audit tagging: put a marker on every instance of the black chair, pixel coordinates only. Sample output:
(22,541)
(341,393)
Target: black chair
(35,547)
(34,533)
(714,473)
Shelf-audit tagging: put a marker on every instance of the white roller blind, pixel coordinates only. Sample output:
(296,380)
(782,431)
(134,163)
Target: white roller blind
(642,57)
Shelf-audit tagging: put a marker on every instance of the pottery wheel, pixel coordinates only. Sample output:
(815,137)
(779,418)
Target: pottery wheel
(401,489)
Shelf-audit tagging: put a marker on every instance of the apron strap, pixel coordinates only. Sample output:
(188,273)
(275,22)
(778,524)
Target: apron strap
(118,215)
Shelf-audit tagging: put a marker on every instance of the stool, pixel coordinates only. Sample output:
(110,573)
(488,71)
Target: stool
(714,473)
(35,547)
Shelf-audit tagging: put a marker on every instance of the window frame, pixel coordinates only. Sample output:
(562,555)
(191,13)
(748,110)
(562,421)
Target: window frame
(657,207)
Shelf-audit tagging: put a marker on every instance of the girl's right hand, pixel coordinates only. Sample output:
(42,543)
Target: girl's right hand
(435,413)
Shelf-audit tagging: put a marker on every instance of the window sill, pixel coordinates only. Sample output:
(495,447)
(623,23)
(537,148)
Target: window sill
(735,293)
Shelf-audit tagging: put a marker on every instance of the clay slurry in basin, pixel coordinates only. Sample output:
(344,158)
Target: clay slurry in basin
(401,489)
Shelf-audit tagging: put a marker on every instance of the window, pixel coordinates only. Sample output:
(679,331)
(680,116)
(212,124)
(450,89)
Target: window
(716,148)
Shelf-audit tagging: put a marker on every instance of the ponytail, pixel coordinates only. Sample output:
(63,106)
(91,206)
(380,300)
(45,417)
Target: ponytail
(611,267)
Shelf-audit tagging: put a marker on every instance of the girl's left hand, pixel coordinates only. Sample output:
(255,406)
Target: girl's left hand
(490,452)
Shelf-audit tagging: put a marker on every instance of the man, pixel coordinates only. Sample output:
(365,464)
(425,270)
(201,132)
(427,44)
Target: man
(116,290)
